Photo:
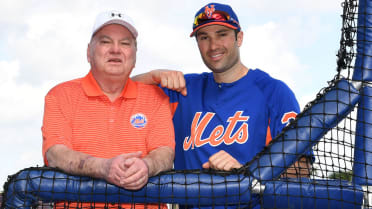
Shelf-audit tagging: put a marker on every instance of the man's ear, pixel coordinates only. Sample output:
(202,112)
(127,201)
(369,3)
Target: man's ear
(88,52)
(240,38)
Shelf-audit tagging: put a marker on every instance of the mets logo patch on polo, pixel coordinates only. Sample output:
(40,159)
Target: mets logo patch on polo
(138,120)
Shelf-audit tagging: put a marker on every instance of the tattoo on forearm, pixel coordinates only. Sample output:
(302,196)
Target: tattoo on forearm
(82,163)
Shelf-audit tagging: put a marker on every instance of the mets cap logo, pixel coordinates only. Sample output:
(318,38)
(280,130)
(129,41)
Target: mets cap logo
(138,120)
(209,11)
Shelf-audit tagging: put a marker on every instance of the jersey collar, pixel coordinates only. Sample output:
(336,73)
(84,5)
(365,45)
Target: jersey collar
(91,87)
(245,78)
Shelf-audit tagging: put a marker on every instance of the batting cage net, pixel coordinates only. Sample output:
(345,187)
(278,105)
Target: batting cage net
(322,159)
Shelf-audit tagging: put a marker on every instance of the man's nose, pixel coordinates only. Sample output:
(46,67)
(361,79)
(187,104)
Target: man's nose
(213,44)
(115,48)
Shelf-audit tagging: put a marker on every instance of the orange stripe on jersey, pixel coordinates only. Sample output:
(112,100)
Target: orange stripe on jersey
(268,135)
(173,106)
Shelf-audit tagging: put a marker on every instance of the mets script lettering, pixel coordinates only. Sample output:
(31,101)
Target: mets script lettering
(218,135)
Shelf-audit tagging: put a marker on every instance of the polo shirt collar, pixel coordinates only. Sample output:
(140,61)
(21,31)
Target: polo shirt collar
(91,87)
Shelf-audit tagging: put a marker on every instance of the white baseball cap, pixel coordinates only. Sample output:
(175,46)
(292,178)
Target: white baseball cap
(114,17)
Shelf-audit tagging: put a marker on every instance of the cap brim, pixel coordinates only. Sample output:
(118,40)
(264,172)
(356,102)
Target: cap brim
(213,23)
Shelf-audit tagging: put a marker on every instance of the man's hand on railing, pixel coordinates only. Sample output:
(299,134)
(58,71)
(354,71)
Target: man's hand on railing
(136,174)
(126,170)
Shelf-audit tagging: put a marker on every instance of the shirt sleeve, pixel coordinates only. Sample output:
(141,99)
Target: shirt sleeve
(162,130)
(56,128)
(284,108)
(174,98)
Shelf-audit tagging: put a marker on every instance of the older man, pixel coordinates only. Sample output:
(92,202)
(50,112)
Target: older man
(105,125)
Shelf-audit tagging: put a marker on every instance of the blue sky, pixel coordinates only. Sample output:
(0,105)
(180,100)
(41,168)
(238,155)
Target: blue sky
(43,43)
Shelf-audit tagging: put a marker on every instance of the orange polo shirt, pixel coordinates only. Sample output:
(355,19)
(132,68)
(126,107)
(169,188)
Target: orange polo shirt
(78,115)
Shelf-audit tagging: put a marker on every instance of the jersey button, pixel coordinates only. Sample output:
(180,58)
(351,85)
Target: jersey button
(219,85)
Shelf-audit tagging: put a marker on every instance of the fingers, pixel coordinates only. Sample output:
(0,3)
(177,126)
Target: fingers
(113,172)
(206,165)
(182,85)
(136,169)
(222,161)
(184,91)
(121,160)
(115,168)
(136,175)
(173,80)
(135,185)
(132,155)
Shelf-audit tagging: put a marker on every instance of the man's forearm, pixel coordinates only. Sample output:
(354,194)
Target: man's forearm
(145,78)
(160,159)
(73,162)
(77,163)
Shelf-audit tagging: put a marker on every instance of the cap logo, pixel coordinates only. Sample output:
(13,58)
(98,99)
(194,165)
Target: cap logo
(215,13)
(113,15)
(138,120)
(209,11)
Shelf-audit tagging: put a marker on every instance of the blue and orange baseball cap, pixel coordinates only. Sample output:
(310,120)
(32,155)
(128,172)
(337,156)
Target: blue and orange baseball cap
(215,14)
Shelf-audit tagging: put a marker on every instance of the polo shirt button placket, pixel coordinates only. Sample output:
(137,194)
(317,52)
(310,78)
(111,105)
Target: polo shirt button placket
(112,116)
(110,122)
